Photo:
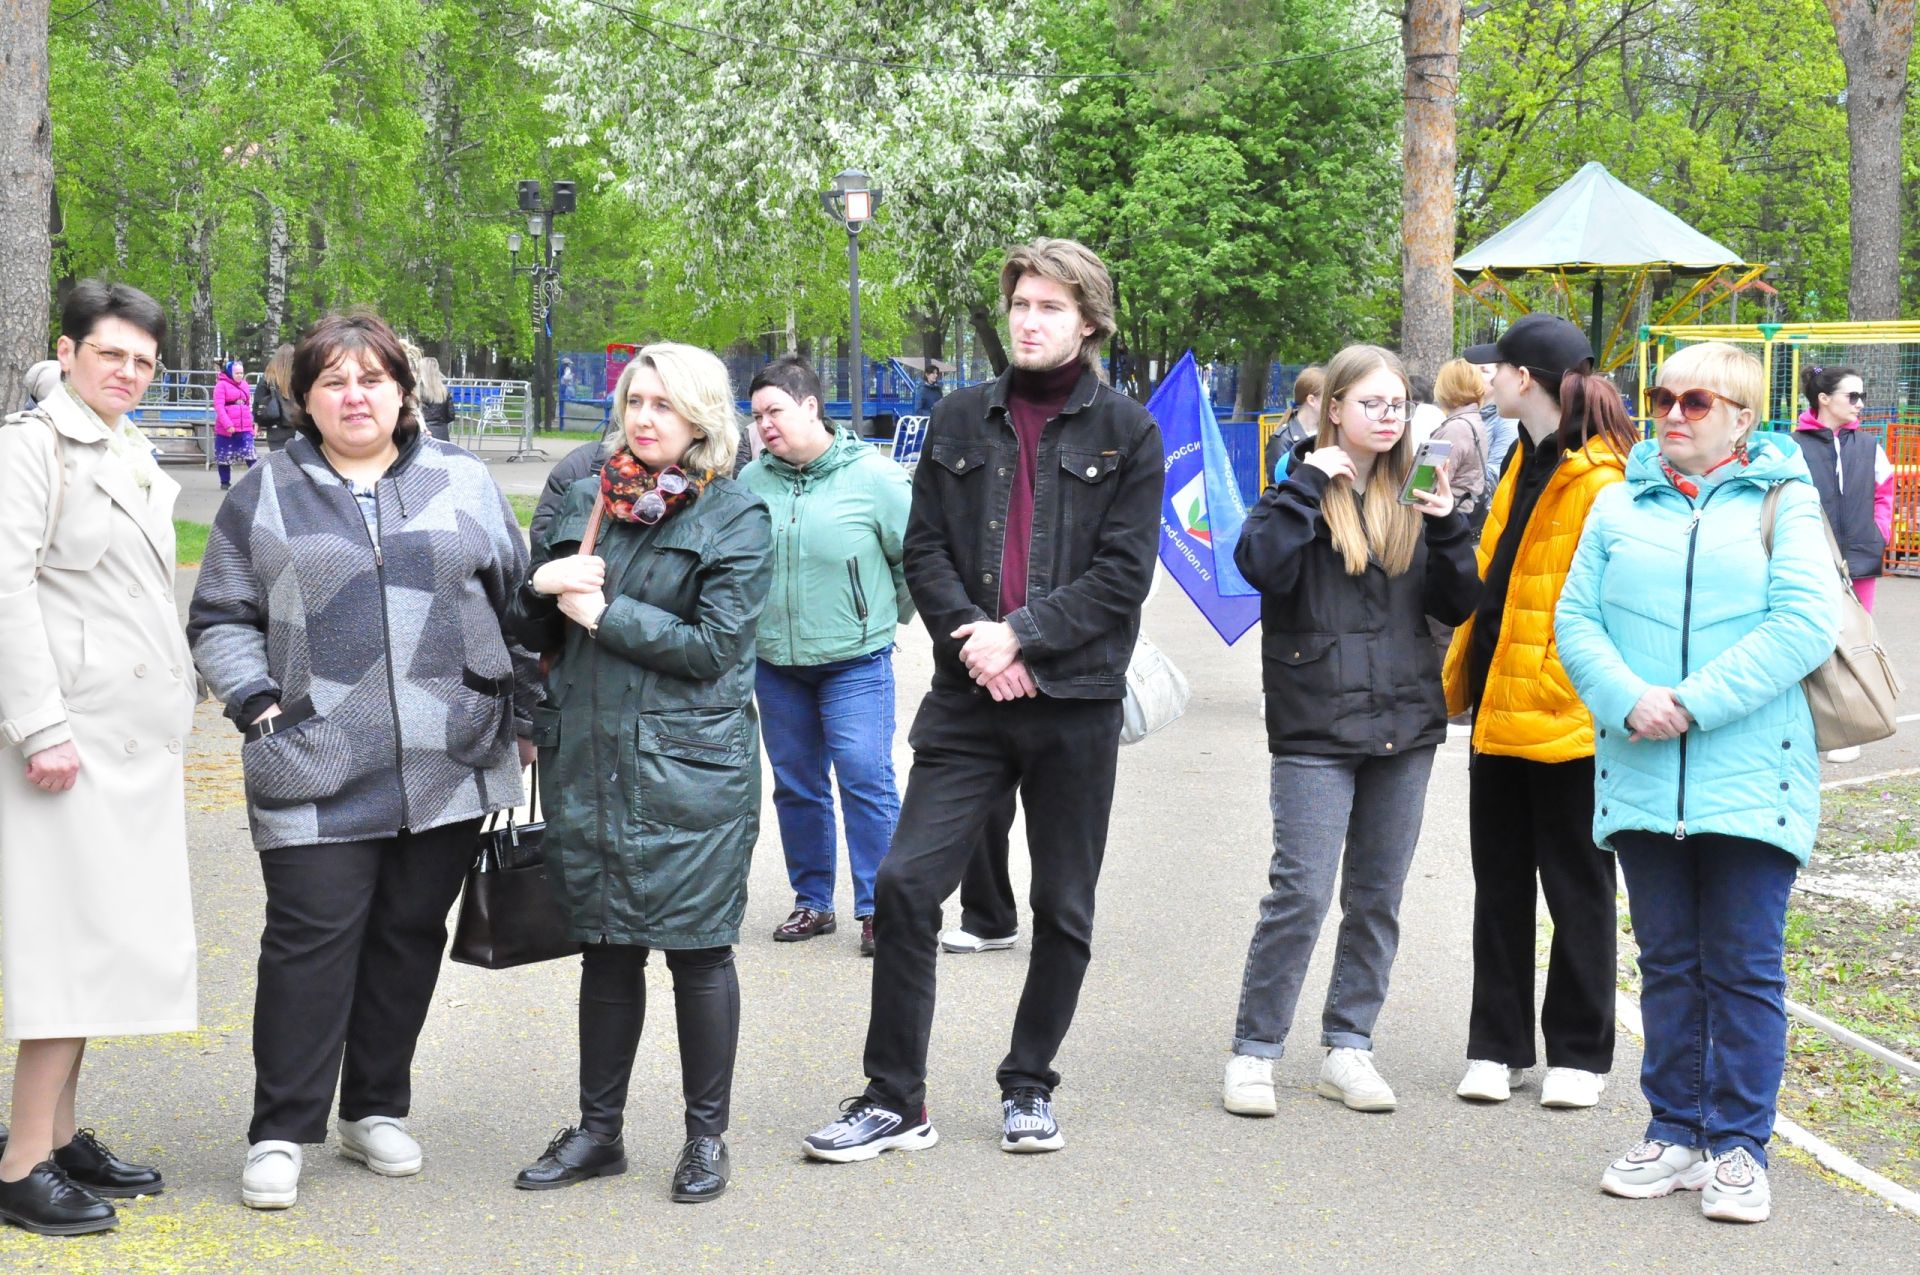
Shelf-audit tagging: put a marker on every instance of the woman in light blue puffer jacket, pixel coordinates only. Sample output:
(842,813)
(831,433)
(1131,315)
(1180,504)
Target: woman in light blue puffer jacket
(1688,641)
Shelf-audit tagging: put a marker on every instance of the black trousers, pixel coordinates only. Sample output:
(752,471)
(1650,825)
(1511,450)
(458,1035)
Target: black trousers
(348,962)
(613,1008)
(1531,818)
(987,907)
(969,754)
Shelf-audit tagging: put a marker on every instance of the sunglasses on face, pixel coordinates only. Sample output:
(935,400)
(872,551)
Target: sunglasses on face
(1694,404)
(1856,397)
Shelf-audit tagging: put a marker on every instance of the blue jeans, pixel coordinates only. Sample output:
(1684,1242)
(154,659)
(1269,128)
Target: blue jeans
(837,715)
(1371,807)
(1710,913)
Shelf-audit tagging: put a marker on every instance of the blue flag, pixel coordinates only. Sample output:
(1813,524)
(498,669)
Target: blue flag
(1201,510)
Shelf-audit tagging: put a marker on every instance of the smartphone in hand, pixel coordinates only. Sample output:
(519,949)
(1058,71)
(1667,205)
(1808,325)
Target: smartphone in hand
(1425,474)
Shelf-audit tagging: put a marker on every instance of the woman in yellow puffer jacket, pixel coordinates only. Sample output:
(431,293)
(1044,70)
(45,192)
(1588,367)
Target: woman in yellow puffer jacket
(1531,781)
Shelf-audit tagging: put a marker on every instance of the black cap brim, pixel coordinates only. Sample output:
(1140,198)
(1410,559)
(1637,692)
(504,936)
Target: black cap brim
(1482,354)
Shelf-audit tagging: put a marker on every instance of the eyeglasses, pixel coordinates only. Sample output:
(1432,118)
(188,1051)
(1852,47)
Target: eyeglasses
(1379,409)
(138,364)
(1694,404)
(1856,397)
(652,505)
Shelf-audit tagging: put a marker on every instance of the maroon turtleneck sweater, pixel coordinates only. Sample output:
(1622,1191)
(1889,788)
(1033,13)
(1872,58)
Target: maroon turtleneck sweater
(1033,399)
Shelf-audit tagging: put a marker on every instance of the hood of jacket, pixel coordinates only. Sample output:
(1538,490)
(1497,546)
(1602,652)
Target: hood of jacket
(845,448)
(1810,421)
(1769,460)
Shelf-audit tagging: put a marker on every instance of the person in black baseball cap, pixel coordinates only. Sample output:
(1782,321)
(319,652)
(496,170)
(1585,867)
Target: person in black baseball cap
(1531,793)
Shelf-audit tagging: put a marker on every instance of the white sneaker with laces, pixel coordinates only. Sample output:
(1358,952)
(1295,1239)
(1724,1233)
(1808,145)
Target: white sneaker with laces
(1348,1076)
(1737,1190)
(1844,754)
(1488,1081)
(960,942)
(1656,1168)
(382,1143)
(1569,1087)
(271,1178)
(1249,1087)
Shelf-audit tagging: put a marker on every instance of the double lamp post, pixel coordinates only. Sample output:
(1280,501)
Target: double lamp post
(544,270)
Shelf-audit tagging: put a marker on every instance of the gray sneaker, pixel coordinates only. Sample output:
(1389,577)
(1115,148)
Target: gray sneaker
(1656,1168)
(1737,1191)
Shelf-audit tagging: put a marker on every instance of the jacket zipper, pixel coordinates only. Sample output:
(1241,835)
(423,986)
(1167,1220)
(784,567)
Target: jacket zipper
(1686,636)
(859,594)
(386,635)
(792,557)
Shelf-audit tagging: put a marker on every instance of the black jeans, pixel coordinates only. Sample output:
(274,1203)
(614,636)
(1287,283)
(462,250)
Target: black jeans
(969,753)
(987,907)
(1528,818)
(348,962)
(613,1008)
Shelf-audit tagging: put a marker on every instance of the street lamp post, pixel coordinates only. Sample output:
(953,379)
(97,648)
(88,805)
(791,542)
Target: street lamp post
(851,201)
(544,272)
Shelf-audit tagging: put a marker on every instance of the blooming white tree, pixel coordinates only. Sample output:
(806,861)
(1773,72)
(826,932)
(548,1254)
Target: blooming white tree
(731,118)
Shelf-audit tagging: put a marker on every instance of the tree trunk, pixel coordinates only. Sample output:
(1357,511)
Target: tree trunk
(1876,42)
(279,250)
(26,192)
(1250,395)
(1430,39)
(200,334)
(986,333)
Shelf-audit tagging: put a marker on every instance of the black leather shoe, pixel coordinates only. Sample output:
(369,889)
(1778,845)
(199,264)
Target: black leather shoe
(702,1172)
(802,925)
(46,1203)
(91,1165)
(573,1156)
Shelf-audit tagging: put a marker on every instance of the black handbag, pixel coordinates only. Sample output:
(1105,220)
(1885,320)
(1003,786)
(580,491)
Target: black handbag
(508,915)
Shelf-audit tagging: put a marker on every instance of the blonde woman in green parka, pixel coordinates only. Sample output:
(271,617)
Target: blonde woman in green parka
(825,676)
(649,756)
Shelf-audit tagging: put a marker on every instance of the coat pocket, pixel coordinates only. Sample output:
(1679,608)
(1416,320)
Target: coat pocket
(694,768)
(479,723)
(297,765)
(959,459)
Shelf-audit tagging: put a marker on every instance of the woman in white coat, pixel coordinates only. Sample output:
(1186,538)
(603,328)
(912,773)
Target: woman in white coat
(97,693)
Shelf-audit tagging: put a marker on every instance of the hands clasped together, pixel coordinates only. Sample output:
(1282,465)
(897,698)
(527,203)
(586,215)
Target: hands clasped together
(992,657)
(578,582)
(1658,715)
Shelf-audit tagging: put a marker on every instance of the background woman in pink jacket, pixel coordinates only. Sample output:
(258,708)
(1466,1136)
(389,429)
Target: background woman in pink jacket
(232,420)
(1855,480)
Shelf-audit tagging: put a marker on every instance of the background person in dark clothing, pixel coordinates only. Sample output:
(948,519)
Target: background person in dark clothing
(1531,782)
(1029,550)
(928,393)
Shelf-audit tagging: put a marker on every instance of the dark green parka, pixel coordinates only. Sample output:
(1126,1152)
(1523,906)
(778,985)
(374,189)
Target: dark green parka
(649,744)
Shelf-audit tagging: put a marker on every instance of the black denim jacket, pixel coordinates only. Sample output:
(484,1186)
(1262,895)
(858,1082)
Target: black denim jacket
(1096,528)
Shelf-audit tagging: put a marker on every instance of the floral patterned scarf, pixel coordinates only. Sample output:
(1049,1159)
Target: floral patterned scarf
(634,493)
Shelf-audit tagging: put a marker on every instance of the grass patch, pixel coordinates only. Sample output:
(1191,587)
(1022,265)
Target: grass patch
(1881,818)
(567,436)
(190,542)
(523,507)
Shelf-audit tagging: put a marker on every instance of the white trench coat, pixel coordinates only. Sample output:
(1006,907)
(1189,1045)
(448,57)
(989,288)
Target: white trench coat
(96,918)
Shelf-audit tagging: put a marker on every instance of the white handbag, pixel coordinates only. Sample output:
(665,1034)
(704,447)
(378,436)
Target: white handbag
(1157,693)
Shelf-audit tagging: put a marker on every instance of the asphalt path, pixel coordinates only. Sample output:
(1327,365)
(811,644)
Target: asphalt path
(1154,1176)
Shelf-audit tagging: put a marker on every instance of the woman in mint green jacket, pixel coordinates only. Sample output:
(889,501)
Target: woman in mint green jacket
(1688,640)
(825,674)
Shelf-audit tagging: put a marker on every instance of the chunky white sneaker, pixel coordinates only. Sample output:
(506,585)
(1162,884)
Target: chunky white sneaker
(382,1143)
(1249,1088)
(1347,1076)
(1567,1087)
(1737,1190)
(1656,1168)
(1488,1081)
(1844,754)
(959,941)
(271,1178)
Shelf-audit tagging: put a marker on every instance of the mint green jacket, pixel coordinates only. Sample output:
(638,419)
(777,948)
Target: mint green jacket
(838,590)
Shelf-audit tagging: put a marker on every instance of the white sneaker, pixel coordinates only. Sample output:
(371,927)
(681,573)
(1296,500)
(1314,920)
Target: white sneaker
(1566,1087)
(1347,1076)
(1656,1168)
(958,940)
(1844,754)
(1737,1190)
(1488,1081)
(271,1178)
(382,1143)
(1249,1089)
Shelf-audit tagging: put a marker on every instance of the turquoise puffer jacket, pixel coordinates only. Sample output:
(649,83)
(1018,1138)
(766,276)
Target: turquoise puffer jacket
(838,590)
(1678,592)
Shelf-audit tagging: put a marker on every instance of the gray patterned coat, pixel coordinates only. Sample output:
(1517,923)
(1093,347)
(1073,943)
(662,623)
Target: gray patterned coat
(400,695)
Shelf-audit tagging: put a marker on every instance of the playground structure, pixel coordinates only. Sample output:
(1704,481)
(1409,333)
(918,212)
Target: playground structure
(1887,356)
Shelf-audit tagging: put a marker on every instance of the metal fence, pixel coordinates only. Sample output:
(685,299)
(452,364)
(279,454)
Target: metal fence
(493,409)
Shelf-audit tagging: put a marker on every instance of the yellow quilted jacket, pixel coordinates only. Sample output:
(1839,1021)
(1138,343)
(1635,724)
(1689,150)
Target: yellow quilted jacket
(1529,708)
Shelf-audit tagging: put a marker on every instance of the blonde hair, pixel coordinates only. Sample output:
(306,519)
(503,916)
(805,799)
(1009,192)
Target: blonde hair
(432,388)
(1311,383)
(1458,385)
(1725,369)
(279,370)
(1076,267)
(1390,529)
(702,395)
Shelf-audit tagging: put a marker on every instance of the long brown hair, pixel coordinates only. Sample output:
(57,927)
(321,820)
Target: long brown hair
(1590,407)
(1390,529)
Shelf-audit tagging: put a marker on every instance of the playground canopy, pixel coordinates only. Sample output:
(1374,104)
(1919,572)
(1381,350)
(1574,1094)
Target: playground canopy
(1596,228)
